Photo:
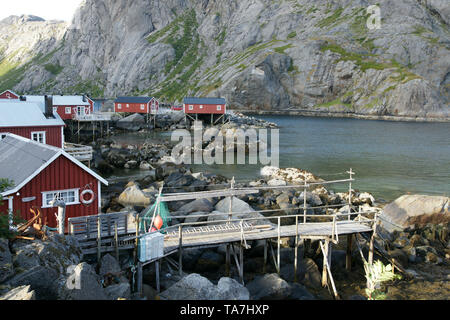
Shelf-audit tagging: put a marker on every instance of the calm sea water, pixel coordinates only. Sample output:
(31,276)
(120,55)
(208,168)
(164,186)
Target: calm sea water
(389,158)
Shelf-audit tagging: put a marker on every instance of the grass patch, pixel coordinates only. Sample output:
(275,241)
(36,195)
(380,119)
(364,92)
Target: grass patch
(282,49)
(89,87)
(54,69)
(291,35)
(221,37)
(363,61)
(331,19)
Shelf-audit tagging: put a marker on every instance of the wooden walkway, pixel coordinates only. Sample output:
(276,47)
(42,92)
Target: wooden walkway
(120,231)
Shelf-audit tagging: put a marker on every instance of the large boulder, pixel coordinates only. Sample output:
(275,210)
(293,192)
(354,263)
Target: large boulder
(6,262)
(199,205)
(415,210)
(191,287)
(41,279)
(269,287)
(230,289)
(133,196)
(196,287)
(82,284)
(109,265)
(240,210)
(134,122)
(121,290)
(19,293)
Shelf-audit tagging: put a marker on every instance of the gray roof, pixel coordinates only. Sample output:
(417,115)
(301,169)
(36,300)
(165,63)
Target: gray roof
(133,99)
(15,113)
(192,100)
(20,158)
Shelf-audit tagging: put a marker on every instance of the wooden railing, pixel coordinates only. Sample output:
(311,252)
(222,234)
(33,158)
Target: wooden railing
(79,152)
(96,116)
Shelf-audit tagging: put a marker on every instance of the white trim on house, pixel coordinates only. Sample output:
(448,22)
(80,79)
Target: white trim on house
(38,133)
(76,192)
(18,96)
(62,137)
(68,110)
(45,165)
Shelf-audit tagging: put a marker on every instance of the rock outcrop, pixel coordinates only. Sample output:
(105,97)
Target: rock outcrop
(261,55)
(415,210)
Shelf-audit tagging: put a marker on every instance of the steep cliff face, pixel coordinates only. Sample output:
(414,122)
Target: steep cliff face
(259,54)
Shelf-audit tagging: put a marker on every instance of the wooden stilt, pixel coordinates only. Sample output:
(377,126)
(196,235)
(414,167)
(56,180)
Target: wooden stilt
(116,241)
(304,203)
(227,262)
(372,239)
(265,257)
(306,247)
(348,259)
(324,268)
(327,261)
(136,243)
(139,278)
(273,257)
(296,249)
(158,288)
(99,240)
(180,251)
(241,264)
(278,245)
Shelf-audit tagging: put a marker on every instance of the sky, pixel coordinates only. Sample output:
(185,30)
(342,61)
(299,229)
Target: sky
(47,9)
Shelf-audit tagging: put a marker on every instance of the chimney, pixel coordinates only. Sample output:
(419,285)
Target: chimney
(84,98)
(48,106)
(23,98)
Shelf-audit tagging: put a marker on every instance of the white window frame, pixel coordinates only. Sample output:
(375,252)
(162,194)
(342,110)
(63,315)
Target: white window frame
(142,106)
(201,106)
(68,110)
(43,133)
(128,105)
(119,106)
(191,107)
(3,135)
(219,107)
(52,193)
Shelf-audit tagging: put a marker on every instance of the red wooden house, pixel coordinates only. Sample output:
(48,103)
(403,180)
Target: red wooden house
(149,105)
(204,106)
(69,106)
(26,119)
(8,94)
(40,174)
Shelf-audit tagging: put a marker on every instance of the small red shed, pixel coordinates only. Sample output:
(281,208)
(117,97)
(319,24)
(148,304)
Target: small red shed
(204,106)
(27,119)
(42,173)
(148,105)
(8,94)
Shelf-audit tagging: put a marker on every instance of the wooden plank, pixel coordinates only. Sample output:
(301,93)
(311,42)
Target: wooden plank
(207,194)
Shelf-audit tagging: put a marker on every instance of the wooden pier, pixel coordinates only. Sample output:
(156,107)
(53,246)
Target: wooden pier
(120,231)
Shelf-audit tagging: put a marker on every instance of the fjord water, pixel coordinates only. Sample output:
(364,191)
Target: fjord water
(390,158)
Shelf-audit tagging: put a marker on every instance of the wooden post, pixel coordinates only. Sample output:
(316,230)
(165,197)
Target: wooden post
(371,243)
(180,250)
(306,247)
(230,209)
(324,267)
(327,265)
(158,288)
(278,245)
(265,257)
(99,239)
(241,264)
(296,249)
(351,173)
(227,261)
(348,260)
(116,240)
(139,278)
(136,242)
(304,203)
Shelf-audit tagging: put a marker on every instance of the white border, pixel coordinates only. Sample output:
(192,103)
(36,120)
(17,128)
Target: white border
(75,190)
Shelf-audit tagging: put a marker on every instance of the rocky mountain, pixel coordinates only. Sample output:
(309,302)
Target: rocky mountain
(259,54)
